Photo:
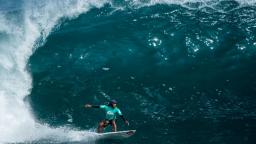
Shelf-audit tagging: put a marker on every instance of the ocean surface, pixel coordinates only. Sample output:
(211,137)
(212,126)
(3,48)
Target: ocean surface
(182,71)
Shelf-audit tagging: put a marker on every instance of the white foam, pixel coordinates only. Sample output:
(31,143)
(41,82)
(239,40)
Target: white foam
(19,35)
(182,2)
(187,3)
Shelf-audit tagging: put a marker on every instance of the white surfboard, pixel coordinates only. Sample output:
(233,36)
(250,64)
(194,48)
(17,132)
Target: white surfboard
(116,135)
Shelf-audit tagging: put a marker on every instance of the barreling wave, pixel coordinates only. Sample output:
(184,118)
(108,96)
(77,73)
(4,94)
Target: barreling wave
(26,24)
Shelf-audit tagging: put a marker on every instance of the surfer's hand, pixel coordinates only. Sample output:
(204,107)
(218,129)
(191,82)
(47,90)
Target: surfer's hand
(87,106)
(126,122)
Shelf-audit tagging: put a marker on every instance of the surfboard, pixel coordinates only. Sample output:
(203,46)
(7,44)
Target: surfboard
(116,135)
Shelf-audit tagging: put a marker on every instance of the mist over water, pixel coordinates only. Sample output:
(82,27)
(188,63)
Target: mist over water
(182,71)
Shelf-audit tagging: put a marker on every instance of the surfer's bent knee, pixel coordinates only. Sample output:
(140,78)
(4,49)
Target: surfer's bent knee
(102,124)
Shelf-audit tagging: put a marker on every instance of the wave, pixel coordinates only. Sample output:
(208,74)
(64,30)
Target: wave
(24,26)
(22,31)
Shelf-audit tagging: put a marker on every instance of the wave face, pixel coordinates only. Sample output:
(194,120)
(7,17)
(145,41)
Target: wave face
(180,69)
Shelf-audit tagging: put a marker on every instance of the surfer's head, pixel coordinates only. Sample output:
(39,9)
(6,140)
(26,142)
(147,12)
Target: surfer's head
(113,103)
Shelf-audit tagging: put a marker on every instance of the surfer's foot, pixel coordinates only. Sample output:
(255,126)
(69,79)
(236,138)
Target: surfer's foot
(100,130)
(114,130)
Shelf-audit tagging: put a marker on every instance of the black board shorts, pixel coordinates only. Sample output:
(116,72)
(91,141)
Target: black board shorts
(107,122)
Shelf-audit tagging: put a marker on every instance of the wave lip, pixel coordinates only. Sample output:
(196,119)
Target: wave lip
(22,30)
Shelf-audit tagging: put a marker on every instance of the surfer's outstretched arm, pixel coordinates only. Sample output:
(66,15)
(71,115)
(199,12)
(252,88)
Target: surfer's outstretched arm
(91,106)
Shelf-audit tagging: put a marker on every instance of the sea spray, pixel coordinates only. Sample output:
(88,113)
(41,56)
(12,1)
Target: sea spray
(20,31)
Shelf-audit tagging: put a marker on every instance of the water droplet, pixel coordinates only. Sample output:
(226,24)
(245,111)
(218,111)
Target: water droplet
(106,68)
(155,42)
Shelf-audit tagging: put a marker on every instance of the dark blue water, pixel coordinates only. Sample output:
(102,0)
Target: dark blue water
(181,73)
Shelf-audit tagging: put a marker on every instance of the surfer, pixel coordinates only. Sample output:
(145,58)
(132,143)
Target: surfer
(111,111)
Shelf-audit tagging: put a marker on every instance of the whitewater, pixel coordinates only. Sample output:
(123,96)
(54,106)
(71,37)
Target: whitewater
(20,35)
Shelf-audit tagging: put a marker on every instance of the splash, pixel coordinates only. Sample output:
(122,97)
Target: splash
(21,30)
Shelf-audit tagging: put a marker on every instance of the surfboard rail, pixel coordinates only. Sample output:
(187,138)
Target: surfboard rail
(117,135)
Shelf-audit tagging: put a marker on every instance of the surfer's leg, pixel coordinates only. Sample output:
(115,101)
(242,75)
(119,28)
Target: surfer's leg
(101,127)
(113,124)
